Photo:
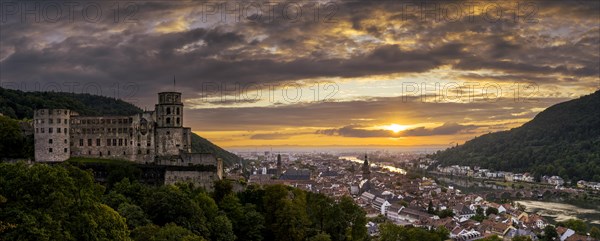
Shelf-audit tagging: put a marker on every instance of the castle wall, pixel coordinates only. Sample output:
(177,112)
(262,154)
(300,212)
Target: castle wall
(201,179)
(51,135)
(102,137)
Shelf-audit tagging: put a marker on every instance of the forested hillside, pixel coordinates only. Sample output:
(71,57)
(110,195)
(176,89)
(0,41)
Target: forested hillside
(19,105)
(562,140)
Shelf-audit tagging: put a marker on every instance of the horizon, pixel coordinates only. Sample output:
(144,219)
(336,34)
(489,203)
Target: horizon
(318,75)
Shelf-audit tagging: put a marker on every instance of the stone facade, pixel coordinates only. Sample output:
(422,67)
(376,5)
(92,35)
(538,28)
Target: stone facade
(152,137)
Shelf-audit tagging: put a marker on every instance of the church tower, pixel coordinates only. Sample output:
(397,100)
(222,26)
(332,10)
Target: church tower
(279,165)
(366,169)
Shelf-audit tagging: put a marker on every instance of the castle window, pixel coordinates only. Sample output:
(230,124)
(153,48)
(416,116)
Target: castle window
(89,152)
(168,120)
(65,150)
(147,151)
(65,130)
(120,142)
(124,153)
(57,121)
(139,151)
(80,142)
(50,141)
(66,121)
(125,142)
(37,130)
(120,121)
(178,110)
(89,142)
(43,121)
(49,121)
(50,130)
(50,150)
(42,130)
(114,142)
(100,153)
(168,110)
(57,130)
(97,142)
(109,153)
(65,141)
(107,142)
(178,121)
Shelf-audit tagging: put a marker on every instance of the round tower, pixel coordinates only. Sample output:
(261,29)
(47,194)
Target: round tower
(169,110)
(51,135)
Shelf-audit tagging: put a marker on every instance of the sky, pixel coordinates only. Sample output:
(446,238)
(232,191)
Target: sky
(313,73)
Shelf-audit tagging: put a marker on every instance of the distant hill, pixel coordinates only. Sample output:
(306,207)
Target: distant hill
(562,140)
(20,105)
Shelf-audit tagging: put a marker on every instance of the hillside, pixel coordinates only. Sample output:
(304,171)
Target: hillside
(20,105)
(562,140)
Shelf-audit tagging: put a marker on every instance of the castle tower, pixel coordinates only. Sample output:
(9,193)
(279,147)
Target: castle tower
(169,110)
(51,135)
(171,138)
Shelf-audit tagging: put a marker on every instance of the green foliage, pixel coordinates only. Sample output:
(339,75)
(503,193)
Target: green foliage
(320,237)
(170,232)
(595,232)
(491,238)
(62,202)
(491,210)
(56,202)
(134,215)
(576,225)
(392,232)
(13,144)
(549,233)
(446,213)
(522,238)
(561,140)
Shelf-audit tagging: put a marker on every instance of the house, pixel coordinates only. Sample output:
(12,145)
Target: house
(512,233)
(556,180)
(380,204)
(367,197)
(463,211)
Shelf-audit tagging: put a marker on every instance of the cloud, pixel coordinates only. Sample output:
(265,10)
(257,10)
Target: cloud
(359,131)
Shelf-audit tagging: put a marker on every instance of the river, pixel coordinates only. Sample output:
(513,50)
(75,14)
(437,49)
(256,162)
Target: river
(383,166)
(555,210)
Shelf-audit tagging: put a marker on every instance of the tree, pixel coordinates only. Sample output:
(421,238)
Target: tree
(549,233)
(222,230)
(170,232)
(11,138)
(134,215)
(576,225)
(320,237)
(446,213)
(491,238)
(595,232)
(491,210)
(167,204)
(251,225)
(222,189)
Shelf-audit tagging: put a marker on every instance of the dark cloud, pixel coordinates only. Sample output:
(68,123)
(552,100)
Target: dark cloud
(355,131)
(447,128)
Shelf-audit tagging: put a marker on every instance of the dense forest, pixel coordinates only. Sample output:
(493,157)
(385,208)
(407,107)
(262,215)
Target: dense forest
(562,140)
(62,202)
(19,105)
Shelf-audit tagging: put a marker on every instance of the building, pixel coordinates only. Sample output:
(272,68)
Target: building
(152,137)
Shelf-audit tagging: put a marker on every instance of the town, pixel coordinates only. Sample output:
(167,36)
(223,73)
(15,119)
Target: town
(387,192)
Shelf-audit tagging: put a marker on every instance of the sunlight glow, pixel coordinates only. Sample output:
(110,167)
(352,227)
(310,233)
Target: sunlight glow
(395,128)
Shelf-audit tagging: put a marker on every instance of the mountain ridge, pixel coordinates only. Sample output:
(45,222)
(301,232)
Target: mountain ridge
(562,140)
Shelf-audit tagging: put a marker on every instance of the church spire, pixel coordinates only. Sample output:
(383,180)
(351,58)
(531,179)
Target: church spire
(366,168)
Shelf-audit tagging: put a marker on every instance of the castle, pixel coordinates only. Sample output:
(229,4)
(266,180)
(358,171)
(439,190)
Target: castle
(149,138)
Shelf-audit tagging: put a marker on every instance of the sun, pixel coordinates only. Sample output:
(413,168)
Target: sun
(395,128)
